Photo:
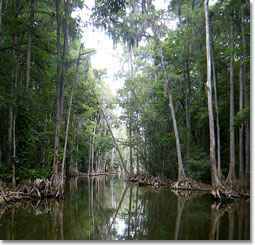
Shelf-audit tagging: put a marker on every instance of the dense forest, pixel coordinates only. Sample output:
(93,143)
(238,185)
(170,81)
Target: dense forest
(185,104)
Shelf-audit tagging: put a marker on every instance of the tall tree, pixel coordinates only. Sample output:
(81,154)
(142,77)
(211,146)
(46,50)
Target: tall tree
(231,180)
(181,173)
(241,107)
(29,43)
(68,120)
(217,116)
(61,77)
(58,91)
(216,184)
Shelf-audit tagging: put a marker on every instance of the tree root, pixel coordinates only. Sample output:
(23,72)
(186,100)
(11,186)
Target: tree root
(155,182)
(189,184)
(33,189)
(222,193)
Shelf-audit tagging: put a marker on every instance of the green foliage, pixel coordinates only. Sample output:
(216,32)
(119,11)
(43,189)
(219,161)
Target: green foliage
(198,166)
(241,117)
(24,174)
(144,98)
(5,172)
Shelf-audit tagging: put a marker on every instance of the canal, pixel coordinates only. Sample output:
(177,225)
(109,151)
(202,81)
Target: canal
(109,208)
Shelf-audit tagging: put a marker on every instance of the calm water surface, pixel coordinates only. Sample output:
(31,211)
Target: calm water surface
(108,208)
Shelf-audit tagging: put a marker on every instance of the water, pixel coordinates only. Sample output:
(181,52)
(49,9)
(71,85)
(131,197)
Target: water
(108,208)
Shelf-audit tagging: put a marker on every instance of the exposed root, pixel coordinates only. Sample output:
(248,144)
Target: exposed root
(33,189)
(222,193)
(189,184)
(155,182)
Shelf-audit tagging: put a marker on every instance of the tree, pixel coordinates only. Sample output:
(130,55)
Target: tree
(181,173)
(231,180)
(216,184)
(29,43)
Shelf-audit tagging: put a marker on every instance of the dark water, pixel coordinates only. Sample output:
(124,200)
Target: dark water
(108,208)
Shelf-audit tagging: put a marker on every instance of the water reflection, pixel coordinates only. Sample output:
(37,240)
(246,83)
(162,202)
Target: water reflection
(109,208)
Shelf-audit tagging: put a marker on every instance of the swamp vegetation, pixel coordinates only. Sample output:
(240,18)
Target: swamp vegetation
(181,121)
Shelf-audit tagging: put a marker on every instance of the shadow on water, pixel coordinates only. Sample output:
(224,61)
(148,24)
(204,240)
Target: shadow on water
(109,208)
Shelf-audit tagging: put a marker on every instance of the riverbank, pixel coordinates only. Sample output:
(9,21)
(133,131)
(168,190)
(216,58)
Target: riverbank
(157,182)
(185,185)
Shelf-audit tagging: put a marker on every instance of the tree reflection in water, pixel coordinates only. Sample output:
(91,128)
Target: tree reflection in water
(108,208)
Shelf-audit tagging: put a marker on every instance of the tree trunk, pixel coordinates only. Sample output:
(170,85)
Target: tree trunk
(93,147)
(68,118)
(112,159)
(188,114)
(245,87)
(61,82)
(64,58)
(14,150)
(90,146)
(181,173)
(231,180)
(76,161)
(9,136)
(241,128)
(216,184)
(29,43)
(217,118)
(130,145)
(58,93)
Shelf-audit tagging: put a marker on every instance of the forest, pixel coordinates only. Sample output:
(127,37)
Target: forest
(183,113)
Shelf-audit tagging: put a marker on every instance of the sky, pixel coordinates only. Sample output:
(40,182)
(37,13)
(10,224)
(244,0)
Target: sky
(106,56)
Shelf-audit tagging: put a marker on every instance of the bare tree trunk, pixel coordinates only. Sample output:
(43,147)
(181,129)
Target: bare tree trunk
(112,158)
(9,135)
(241,128)
(217,118)
(76,161)
(61,82)
(130,145)
(181,173)
(245,87)
(216,184)
(68,119)
(137,153)
(14,150)
(64,58)
(231,180)
(113,138)
(188,114)
(92,146)
(58,93)
(29,43)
